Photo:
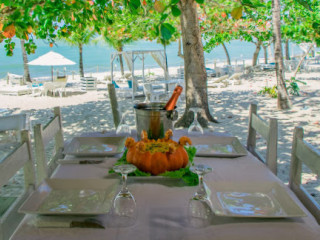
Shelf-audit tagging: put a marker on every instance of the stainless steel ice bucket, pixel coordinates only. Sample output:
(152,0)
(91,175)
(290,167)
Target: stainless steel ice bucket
(152,118)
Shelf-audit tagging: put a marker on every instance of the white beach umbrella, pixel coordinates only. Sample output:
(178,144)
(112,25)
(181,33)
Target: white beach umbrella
(51,59)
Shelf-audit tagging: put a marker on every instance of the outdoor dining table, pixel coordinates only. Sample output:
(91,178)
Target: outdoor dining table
(162,206)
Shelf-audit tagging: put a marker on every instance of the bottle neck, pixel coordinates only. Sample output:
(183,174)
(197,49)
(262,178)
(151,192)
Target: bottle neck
(173,99)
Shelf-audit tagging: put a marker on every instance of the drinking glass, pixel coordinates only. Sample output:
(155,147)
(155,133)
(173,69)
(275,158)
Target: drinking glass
(202,192)
(123,128)
(200,206)
(199,213)
(124,204)
(195,127)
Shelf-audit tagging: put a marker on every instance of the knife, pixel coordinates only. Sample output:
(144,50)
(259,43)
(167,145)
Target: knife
(65,223)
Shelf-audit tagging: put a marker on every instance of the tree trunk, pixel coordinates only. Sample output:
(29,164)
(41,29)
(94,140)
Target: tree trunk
(120,49)
(81,61)
(227,53)
(25,62)
(283,97)
(179,50)
(265,50)
(301,61)
(256,53)
(194,66)
(287,49)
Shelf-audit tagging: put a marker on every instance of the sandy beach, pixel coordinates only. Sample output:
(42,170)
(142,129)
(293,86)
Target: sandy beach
(91,111)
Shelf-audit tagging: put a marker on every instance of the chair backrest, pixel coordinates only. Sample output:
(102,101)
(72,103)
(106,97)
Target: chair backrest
(303,153)
(52,131)
(269,131)
(15,79)
(20,157)
(14,122)
(114,104)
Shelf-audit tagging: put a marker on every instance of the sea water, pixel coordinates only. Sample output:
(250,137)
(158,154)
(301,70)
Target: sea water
(96,58)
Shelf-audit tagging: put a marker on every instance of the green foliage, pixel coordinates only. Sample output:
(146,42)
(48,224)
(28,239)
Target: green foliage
(293,87)
(190,178)
(271,91)
(200,1)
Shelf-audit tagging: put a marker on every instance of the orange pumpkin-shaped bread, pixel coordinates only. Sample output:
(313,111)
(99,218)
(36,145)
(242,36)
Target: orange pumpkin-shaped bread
(157,156)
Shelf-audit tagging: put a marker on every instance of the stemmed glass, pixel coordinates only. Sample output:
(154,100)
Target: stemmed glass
(124,205)
(195,127)
(200,206)
(123,128)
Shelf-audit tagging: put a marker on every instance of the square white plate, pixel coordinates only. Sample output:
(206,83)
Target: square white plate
(72,196)
(218,147)
(95,146)
(253,199)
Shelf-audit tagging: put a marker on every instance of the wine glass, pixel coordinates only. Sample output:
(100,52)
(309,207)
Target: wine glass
(124,205)
(203,191)
(199,213)
(195,127)
(123,128)
(200,206)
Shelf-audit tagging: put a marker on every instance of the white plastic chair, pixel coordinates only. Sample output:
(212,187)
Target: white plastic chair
(16,122)
(152,95)
(52,131)
(303,153)
(15,79)
(269,131)
(19,158)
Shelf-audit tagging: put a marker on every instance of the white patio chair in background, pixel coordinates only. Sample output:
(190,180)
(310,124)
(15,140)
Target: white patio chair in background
(19,158)
(14,123)
(304,154)
(14,79)
(269,132)
(152,95)
(43,136)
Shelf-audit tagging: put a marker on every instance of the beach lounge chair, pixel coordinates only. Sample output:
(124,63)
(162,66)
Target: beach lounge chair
(303,154)
(269,132)
(88,83)
(218,82)
(14,79)
(43,136)
(20,159)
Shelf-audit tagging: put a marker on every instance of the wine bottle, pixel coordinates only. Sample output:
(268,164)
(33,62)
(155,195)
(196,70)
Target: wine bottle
(173,99)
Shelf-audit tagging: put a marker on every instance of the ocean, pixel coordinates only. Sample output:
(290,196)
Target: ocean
(97,57)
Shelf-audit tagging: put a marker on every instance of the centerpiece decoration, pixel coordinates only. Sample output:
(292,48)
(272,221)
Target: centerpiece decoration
(157,156)
(161,157)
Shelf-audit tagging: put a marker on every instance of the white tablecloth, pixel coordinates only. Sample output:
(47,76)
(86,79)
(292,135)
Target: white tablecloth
(162,208)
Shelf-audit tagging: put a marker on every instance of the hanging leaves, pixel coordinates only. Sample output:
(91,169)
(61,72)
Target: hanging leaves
(166,30)
(1,26)
(159,6)
(26,37)
(29,29)
(200,1)
(236,13)
(9,31)
(175,11)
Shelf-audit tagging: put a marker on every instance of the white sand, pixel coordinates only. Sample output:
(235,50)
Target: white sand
(91,111)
